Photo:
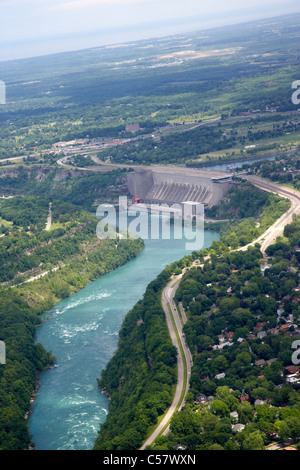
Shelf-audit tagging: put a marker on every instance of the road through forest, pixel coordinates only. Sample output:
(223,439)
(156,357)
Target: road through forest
(184,361)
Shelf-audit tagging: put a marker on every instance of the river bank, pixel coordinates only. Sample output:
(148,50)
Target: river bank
(83,333)
(68,279)
(239,162)
(37,298)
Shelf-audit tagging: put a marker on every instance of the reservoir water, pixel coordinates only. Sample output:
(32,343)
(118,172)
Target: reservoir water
(82,332)
(231,166)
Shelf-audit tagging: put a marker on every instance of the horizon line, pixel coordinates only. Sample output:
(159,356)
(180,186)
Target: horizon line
(137,27)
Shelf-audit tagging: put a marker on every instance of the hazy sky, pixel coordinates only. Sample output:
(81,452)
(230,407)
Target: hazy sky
(35,27)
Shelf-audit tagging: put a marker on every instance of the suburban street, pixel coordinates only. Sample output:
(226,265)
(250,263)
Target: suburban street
(184,361)
(266,239)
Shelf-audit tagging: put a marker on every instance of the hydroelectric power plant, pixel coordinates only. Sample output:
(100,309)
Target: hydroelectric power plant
(179,185)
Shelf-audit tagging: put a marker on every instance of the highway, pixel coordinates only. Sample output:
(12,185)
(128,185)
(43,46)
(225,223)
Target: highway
(171,169)
(277,229)
(265,240)
(184,362)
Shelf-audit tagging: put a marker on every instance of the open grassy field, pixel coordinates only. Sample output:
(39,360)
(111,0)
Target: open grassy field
(231,73)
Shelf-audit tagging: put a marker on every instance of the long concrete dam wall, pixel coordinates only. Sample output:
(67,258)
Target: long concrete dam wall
(178,185)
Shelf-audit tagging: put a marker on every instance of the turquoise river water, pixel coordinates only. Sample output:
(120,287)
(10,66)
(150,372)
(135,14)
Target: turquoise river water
(82,332)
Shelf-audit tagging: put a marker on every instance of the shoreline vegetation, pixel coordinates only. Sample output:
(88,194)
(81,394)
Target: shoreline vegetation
(95,95)
(247,156)
(242,105)
(62,283)
(243,318)
(26,246)
(138,400)
(50,302)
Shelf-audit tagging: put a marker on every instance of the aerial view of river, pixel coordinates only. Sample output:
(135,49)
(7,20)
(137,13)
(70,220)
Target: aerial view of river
(82,332)
(234,165)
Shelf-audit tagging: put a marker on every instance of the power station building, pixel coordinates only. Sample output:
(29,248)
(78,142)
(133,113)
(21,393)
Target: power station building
(177,185)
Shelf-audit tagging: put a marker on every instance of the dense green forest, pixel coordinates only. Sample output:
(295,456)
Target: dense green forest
(73,256)
(230,89)
(234,137)
(243,200)
(28,248)
(128,379)
(222,73)
(250,212)
(140,377)
(81,189)
(24,359)
(242,323)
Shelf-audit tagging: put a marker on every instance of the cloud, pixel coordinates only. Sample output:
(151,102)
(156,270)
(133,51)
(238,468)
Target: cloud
(77,4)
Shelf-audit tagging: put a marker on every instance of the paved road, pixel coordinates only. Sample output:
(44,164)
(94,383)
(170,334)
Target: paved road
(277,229)
(171,169)
(265,240)
(182,384)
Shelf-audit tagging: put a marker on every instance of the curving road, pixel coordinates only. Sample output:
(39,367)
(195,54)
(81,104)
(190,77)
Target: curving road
(266,239)
(184,362)
(171,169)
(277,229)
